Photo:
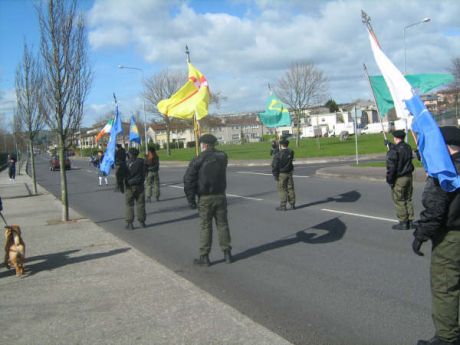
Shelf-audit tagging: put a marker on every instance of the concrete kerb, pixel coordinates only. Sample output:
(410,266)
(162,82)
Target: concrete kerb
(85,286)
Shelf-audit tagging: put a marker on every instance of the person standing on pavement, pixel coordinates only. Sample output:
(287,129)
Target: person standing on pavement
(399,177)
(282,168)
(12,168)
(134,189)
(206,178)
(440,223)
(120,168)
(275,148)
(152,181)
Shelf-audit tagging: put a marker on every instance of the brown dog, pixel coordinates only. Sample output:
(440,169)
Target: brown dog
(15,249)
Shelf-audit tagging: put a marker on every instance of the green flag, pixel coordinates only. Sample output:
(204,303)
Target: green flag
(422,83)
(276,113)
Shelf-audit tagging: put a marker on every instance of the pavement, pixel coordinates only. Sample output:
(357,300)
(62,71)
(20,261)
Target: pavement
(84,286)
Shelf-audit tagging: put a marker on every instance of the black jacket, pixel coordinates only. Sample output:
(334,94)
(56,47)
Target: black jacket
(120,156)
(206,174)
(135,172)
(399,162)
(441,211)
(282,162)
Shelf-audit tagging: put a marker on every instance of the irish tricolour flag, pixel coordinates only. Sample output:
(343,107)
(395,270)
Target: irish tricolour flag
(106,130)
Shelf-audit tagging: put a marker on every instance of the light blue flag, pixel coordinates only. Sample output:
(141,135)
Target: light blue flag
(109,155)
(435,156)
(276,113)
(134,132)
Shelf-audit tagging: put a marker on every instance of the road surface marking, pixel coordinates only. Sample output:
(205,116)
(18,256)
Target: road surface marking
(264,174)
(360,215)
(230,195)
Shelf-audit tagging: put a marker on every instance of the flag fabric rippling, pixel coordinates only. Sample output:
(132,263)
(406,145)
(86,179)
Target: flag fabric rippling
(134,132)
(109,155)
(276,113)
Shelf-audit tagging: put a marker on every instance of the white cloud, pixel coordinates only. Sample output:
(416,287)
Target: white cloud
(240,55)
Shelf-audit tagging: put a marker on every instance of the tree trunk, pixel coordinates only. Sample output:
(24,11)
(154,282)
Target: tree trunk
(32,160)
(64,195)
(297,137)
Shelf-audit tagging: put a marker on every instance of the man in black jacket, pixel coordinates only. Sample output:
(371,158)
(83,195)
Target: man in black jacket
(206,178)
(282,169)
(134,191)
(440,223)
(399,177)
(120,167)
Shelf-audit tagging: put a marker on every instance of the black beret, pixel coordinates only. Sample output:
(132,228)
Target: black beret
(208,139)
(451,135)
(399,134)
(284,142)
(133,151)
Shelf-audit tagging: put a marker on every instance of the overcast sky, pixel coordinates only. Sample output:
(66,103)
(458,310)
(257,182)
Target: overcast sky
(239,45)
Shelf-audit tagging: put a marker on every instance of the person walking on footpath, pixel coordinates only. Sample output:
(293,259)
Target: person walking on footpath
(134,189)
(440,223)
(101,174)
(206,178)
(12,168)
(152,181)
(282,168)
(399,177)
(120,168)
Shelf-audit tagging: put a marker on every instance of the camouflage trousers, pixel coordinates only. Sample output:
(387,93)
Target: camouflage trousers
(213,207)
(152,181)
(401,194)
(445,277)
(135,194)
(286,189)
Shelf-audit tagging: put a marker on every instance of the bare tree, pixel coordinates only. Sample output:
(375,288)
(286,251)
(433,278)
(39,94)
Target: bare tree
(28,83)
(161,86)
(302,86)
(455,85)
(67,76)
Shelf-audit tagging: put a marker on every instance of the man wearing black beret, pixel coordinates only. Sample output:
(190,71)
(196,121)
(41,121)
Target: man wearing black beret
(134,191)
(282,168)
(399,177)
(440,223)
(206,178)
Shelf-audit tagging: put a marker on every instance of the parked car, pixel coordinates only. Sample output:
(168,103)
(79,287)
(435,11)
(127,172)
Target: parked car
(55,165)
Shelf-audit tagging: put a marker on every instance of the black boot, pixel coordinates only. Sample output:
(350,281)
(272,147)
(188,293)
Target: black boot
(143,224)
(228,256)
(203,260)
(401,226)
(293,206)
(281,208)
(435,341)
(410,224)
(129,226)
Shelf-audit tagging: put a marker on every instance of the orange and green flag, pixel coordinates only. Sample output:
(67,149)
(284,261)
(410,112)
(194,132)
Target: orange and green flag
(191,98)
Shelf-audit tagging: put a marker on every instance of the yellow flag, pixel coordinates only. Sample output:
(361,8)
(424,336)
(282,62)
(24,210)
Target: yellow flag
(191,98)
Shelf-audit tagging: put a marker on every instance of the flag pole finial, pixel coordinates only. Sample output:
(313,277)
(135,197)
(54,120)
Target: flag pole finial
(187,52)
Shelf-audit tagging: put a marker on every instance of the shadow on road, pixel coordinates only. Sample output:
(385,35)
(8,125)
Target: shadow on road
(335,231)
(49,262)
(351,196)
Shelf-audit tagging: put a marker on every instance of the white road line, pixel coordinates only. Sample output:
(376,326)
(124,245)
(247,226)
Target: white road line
(360,215)
(90,171)
(230,195)
(264,174)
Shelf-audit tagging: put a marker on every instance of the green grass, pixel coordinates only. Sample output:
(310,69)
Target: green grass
(322,147)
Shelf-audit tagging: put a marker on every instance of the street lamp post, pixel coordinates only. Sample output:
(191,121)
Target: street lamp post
(424,20)
(143,102)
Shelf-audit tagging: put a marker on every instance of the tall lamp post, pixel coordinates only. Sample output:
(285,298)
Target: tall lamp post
(424,20)
(143,102)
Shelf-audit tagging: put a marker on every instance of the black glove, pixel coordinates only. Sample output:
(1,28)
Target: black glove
(386,142)
(276,178)
(416,245)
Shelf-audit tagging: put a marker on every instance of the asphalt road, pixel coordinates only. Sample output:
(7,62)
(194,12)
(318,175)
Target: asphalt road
(331,272)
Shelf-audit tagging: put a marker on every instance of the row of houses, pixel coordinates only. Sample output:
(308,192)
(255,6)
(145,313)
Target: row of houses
(240,128)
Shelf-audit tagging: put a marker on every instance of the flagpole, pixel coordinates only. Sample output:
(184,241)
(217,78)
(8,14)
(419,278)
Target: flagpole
(195,121)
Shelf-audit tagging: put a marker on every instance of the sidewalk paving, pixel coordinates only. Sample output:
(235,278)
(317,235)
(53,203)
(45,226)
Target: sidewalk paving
(85,286)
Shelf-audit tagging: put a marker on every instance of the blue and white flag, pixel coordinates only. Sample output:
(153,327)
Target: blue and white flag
(432,147)
(134,132)
(109,155)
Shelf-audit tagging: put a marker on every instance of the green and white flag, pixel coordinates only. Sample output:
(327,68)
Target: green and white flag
(276,113)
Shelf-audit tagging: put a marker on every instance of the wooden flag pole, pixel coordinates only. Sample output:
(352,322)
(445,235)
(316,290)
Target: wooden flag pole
(195,121)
